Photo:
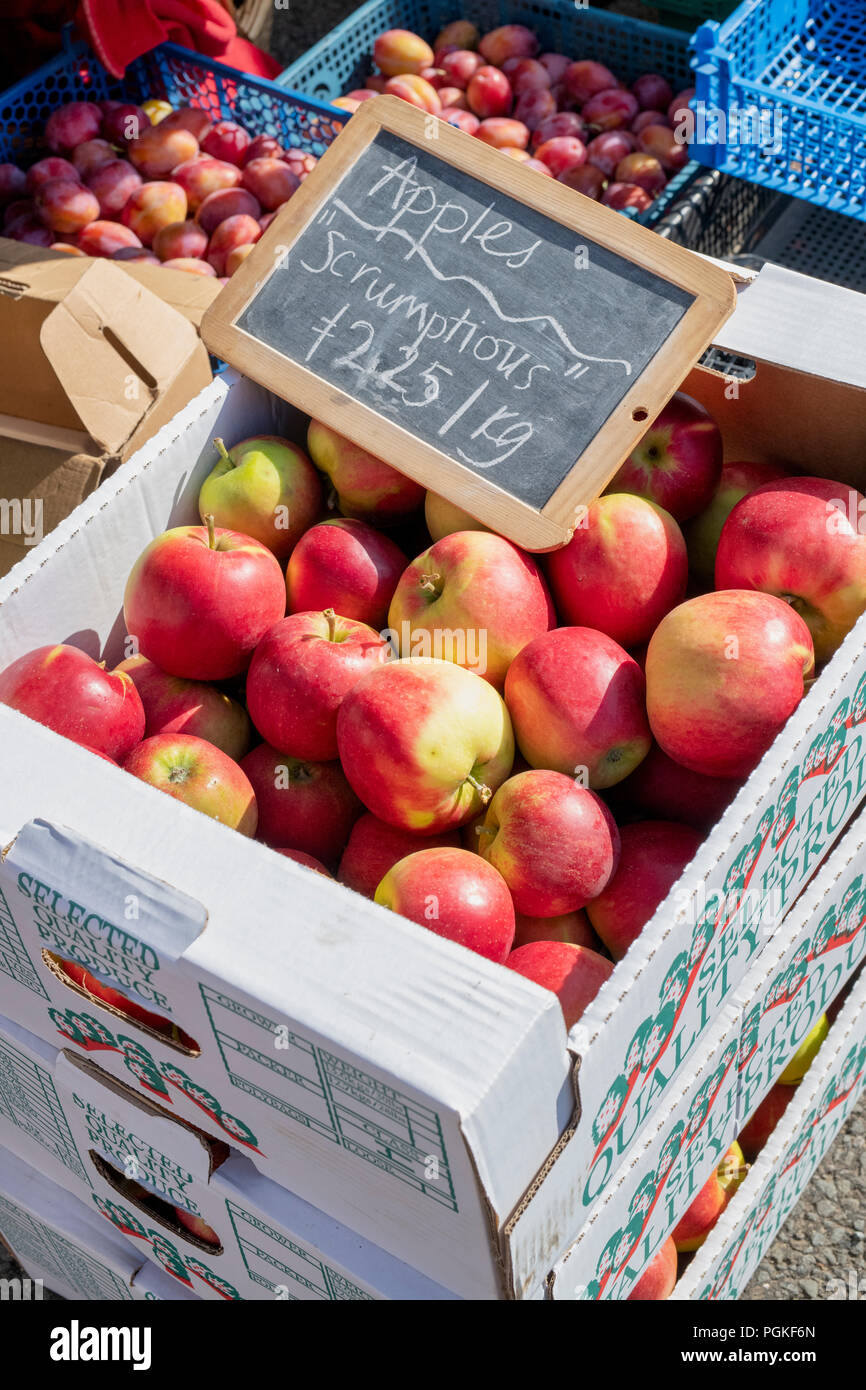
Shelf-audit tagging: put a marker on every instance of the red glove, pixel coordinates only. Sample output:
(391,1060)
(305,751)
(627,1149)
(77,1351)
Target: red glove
(121,30)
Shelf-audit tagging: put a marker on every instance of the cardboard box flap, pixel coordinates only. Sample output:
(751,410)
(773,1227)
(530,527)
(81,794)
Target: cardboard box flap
(114,347)
(798,322)
(49,276)
(131,903)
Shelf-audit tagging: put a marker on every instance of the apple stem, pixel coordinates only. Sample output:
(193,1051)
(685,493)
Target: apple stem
(428,583)
(223,452)
(332,624)
(211,531)
(483,791)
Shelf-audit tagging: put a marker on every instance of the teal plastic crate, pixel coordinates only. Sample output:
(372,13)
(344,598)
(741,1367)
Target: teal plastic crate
(781,90)
(173,74)
(343,59)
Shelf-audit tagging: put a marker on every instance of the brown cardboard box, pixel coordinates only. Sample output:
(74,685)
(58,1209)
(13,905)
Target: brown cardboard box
(95,363)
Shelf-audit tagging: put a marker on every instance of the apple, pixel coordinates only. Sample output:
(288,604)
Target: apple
(573,973)
(678,462)
(302,804)
(199,774)
(724,671)
(307,860)
(176,706)
(197,1227)
(652,857)
(265,488)
(301,671)
(347,565)
(574,927)
(755,1134)
(703,531)
(454,894)
(424,743)
(120,1003)
(555,843)
(473,598)
(374,847)
(577,702)
(199,600)
(69,692)
(444,518)
(659,1278)
(624,568)
(665,790)
(802,539)
(806,1053)
(365,487)
(699,1219)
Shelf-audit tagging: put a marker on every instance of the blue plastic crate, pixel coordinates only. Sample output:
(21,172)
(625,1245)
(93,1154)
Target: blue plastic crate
(343,59)
(173,74)
(781,87)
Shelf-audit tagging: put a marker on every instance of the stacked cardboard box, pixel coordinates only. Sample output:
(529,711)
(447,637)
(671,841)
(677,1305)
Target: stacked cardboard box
(439,1110)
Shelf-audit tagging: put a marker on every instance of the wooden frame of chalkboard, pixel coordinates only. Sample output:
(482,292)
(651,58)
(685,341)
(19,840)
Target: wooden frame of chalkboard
(558,447)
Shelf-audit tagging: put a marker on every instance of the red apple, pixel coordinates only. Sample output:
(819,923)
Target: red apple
(71,124)
(585,179)
(564,123)
(755,1134)
(802,539)
(609,109)
(555,843)
(701,1216)
(577,702)
(176,706)
(307,860)
(346,565)
(302,805)
(66,690)
(664,789)
(472,598)
(118,1002)
(653,855)
(454,894)
(197,1227)
(659,1278)
(703,531)
(113,184)
(424,743)
(301,671)
(724,672)
(374,847)
(489,93)
(198,774)
(561,153)
(574,927)
(678,463)
(365,487)
(46,171)
(624,568)
(199,600)
(572,973)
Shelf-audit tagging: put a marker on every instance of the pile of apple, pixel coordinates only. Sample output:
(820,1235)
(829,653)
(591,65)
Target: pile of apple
(149,183)
(518,753)
(574,121)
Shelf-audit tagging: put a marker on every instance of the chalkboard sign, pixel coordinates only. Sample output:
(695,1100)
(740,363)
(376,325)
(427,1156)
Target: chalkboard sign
(486,330)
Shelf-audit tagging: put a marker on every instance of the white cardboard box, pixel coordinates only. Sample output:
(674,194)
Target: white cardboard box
(58,1240)
(422,1096)
(824,1099)
(810,959)
(272,1244)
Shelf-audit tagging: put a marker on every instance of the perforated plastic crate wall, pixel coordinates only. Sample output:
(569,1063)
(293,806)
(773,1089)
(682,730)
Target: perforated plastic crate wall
(177,76)
(782,86)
